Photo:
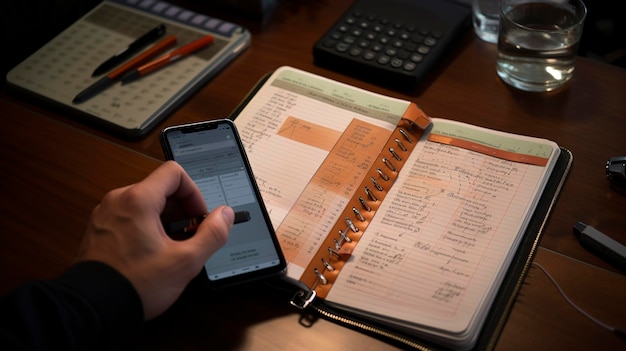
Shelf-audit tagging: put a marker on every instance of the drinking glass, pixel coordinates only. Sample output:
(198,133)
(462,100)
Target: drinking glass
(538,41)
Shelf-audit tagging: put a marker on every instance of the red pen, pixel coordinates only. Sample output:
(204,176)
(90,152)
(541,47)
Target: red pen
(167,59)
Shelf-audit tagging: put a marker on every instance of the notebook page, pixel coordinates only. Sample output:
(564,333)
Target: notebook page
(289,129)
(442,237)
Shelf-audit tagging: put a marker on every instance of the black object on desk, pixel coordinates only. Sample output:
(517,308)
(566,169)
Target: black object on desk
(189,226)
(130,50)
(601,245)
(395,43)
(616,170)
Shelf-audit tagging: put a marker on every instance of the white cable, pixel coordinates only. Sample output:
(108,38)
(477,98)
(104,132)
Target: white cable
(600,323)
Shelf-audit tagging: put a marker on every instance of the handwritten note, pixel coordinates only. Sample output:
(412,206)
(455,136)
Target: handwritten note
(306,145)
(324,198)
(438,242)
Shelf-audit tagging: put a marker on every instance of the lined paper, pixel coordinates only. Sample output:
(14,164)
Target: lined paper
(442,238)
(302,118)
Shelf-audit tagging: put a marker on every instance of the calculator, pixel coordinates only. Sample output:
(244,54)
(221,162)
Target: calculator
(395,43)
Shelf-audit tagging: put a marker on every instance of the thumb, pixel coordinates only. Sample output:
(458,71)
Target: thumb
(213,232)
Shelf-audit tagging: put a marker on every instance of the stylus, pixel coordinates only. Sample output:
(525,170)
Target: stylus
(601,245)
(188,226)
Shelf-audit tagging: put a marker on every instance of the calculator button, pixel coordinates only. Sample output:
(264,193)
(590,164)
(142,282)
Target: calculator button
(397,44)
(356,32)
(417,58)
(391,52)
(409,66)
(369,55)
(430,41)
(342,47)
(355,51)
(423,49)
(396,63)
(383,59)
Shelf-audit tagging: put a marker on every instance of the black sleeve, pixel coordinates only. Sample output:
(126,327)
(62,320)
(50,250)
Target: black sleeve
(90,306)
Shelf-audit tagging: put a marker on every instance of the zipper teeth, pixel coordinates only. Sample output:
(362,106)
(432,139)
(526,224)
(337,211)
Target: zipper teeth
(491,345)
(370,329)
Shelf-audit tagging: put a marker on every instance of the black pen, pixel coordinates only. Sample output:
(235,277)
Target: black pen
(131,49)
(189,226)
(601,245)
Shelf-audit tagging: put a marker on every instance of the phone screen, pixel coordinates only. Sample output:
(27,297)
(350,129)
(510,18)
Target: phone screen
(213,156)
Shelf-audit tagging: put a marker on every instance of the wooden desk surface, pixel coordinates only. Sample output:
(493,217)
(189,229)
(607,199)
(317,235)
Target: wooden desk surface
(54,170)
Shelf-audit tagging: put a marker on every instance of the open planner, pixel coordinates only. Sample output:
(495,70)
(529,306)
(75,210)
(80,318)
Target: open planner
(412,228)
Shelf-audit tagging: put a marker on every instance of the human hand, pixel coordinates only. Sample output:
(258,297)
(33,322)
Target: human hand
(125,231)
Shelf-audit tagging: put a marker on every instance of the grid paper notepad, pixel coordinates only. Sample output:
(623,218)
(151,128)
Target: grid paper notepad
(62,68)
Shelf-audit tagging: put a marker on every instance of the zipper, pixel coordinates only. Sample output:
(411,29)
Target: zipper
(531,255)
(306,300)
(367,328)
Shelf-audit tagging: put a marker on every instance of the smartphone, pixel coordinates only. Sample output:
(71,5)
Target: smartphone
(212,154)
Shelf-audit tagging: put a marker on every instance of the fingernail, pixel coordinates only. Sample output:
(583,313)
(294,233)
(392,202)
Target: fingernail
(229,214)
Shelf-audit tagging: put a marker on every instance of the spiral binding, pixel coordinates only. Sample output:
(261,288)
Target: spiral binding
(336,249)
